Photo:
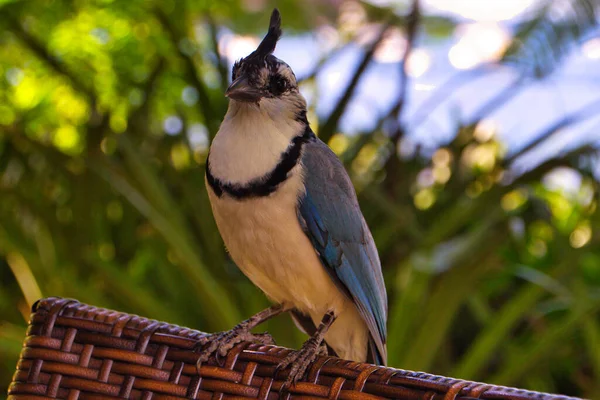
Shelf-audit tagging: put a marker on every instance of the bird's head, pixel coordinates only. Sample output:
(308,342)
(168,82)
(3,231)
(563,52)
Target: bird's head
(262,79)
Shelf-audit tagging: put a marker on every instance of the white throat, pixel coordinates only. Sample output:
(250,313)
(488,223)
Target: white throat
(251,139)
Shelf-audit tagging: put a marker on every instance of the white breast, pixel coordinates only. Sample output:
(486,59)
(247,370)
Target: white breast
(267,243)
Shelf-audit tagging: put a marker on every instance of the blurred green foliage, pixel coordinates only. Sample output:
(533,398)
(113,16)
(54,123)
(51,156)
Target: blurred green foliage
(492,275)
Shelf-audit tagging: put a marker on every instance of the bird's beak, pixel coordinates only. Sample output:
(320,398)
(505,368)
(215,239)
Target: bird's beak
(241,90)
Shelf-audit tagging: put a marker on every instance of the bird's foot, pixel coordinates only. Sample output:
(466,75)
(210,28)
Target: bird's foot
(299,361)
(323,350)
(220,343)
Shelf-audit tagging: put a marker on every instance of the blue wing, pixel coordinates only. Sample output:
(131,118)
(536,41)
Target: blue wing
(331,217)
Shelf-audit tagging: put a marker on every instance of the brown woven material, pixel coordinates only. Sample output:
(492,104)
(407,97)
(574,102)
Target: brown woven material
(75,351)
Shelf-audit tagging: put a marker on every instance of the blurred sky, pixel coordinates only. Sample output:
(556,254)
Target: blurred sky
(483,31)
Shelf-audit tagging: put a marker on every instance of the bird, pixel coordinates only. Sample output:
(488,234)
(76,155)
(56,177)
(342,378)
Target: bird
(289,217)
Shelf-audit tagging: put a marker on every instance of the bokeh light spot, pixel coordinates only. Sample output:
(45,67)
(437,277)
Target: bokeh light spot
(418,62)
(479,43)
(581,235)
(365,159)
(481,157)
(392,47)
(441,174)
(425,178)
(67,139)
(424,199)
(14,76)
(118,123)
(180,156)
(189,95)
(485,130)
(538,248)
(173,125)
(338,143)
(513,200)
(591,49)
(27,93)
(442,157)
(198,137)
(234,47)
(352,16)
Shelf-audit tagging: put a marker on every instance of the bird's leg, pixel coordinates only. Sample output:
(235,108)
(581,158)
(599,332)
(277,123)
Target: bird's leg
(222,342)
(301,359)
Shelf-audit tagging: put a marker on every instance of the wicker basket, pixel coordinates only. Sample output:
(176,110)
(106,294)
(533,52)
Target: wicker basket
(75,351)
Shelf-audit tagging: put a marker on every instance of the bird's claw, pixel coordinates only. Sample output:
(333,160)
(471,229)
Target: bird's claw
(322,350)
(299,361)
(220,343)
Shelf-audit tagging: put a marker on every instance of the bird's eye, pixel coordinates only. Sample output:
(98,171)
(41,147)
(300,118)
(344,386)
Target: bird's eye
(278,85)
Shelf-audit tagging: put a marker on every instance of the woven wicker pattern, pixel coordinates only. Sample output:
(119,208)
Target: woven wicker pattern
(75,351)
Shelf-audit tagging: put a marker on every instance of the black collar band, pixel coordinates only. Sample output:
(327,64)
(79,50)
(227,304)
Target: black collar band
(267,184)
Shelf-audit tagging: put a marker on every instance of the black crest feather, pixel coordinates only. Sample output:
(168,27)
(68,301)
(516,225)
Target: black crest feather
(267,46)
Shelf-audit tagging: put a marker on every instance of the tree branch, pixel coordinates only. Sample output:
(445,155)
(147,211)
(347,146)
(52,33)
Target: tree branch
(501,98)
(445,90)
(220,62)
(411,33)
(191,71)
(148,89)
(589,110)
(330,124)
(543,168)
(330,56)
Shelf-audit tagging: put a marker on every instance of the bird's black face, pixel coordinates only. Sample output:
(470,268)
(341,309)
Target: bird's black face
(261,74)
(254,79)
